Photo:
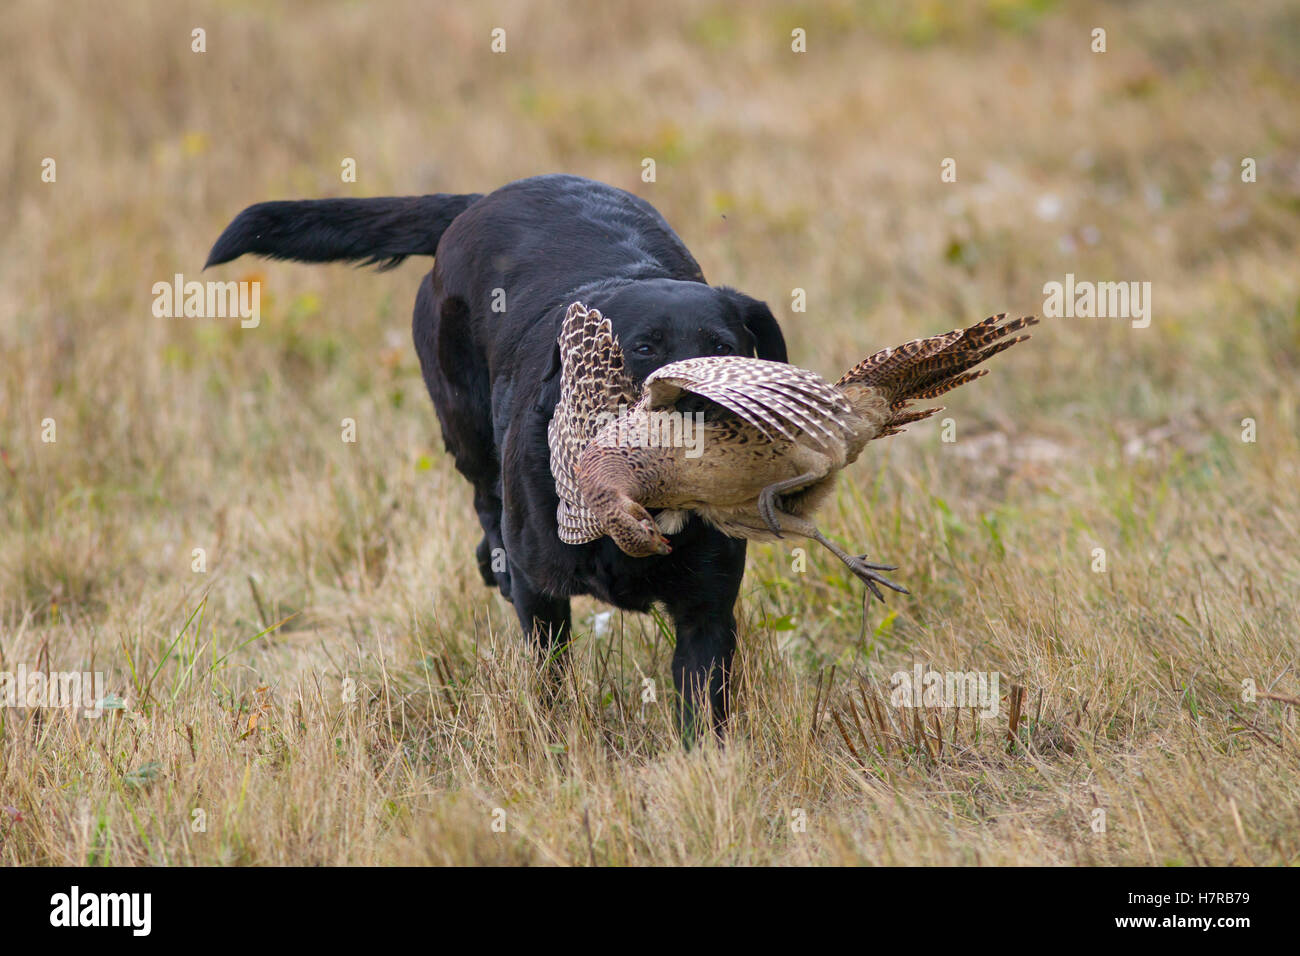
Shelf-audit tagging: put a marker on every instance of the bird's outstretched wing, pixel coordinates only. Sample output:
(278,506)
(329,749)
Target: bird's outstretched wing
(775,398)
(593,384)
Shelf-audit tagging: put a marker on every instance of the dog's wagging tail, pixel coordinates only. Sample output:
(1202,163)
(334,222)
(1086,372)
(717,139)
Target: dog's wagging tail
(381,231)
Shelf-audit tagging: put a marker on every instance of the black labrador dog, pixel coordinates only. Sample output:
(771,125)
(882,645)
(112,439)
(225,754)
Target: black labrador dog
(506,267)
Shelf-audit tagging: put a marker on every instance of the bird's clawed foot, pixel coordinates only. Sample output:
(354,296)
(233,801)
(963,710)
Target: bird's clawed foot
(767,509)
(867,572)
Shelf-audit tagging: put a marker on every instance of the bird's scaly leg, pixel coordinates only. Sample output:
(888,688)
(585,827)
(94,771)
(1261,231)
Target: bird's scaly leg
(767,506)
(858,564)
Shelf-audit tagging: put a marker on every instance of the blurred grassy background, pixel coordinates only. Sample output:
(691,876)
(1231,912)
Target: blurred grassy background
(817,171)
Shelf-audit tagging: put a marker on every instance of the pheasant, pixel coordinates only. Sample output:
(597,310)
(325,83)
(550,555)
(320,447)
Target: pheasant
(751,446)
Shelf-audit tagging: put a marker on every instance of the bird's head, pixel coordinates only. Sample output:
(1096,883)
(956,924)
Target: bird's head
(635,532)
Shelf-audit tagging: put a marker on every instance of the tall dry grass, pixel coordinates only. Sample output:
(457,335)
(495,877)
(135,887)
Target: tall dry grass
(338,687)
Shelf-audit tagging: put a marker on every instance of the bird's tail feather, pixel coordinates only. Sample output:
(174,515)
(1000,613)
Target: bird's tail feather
(926,368)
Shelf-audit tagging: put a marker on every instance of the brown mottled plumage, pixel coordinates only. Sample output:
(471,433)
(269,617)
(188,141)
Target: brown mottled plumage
(592,383)
(765,450)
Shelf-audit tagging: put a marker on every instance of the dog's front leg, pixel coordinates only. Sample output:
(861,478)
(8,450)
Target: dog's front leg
(703,612)
(546,620)
(702,673)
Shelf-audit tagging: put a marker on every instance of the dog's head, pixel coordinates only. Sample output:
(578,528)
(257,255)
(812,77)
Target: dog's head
(658,321)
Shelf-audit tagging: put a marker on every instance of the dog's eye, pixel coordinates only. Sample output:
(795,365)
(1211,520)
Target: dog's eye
(643,349)
(722,348)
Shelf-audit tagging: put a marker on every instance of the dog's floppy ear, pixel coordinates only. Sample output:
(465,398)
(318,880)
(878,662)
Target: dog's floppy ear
(549,393)
(759,322)
(554,365)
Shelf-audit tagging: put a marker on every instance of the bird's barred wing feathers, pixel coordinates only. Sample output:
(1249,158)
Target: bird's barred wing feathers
(592,381)
(773,397)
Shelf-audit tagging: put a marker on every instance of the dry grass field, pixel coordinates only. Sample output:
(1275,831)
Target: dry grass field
(334,685)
